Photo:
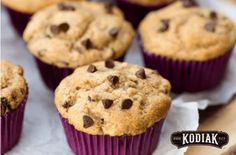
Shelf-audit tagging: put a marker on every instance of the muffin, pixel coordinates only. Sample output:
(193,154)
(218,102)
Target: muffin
(81,33)
(188,45)
(135,10)
(13,99)
(113,108)
(20,11)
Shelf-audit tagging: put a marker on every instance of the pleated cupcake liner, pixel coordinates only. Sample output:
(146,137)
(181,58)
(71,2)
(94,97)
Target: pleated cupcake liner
(85,144)
(18,20)
(136,12)
(52,75)
(11,126)
(189,76)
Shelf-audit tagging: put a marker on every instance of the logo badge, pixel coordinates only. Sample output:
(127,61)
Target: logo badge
(212,138)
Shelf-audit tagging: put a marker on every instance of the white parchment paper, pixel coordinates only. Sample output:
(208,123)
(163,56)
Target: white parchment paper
(42,132)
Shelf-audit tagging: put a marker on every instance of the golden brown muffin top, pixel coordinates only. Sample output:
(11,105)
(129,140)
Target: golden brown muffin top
(187,32)
(72,34)
(113,98)
(13,86)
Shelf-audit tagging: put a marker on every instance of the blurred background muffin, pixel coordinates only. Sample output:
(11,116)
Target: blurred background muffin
(20,11)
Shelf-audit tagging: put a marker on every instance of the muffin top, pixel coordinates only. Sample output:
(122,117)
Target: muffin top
(30,6)
(72,34)
(187,32)
(13,86)
(113,98)
(152,2)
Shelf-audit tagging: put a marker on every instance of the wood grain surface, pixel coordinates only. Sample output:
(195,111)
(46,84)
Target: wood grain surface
(222,118)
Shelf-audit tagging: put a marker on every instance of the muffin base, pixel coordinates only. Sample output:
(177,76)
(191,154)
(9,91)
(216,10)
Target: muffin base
(85,144)
(11,126)
(190,76)
(19,20)
(52,75)
(136,12)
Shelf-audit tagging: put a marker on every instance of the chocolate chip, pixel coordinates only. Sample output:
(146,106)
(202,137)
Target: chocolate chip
(41,53)
(88,121)
(90,99)
(126,104)
(102,120)
(141,74)
(87,43)
(92,69)
(165,25)
(67,104)
(109,64)
(4,105)
(109,7)
(48,36)
(213,15)
(210,26)
(188,3)
(65,7)
(107,103)
(113,79)
(65,63)
(13,97)
(64,27)
(54,29)
(114,32)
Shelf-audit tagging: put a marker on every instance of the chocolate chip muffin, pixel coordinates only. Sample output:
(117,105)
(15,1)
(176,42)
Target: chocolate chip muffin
(185,41)
(114,99)
(73,34)
(20,11)
(13,99)
(13,86)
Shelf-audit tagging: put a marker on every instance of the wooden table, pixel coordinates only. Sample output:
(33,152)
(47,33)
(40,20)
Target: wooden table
(222,118)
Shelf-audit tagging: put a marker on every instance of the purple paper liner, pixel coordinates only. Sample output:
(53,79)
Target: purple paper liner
(136,12)
(18,20)
(52,75)
(85,144)
(11,126)
(190,76)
